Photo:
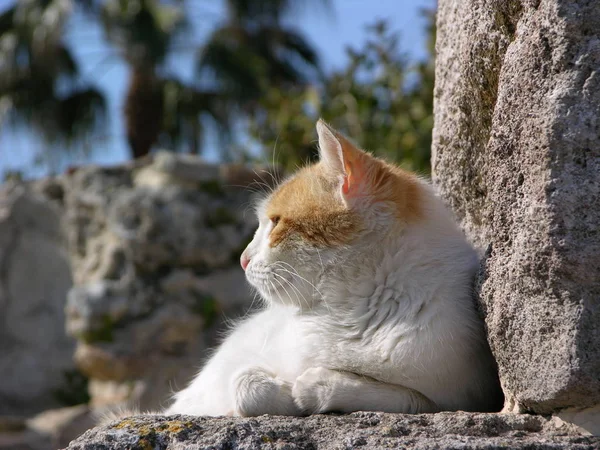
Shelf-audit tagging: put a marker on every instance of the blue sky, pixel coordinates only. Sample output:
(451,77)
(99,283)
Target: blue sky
(330,31)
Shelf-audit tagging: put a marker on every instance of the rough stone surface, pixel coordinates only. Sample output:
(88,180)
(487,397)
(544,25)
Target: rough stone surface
(49,430)
(587,419)
(35,276)
(517,155)
(358,430)
(143,259)
(61,426)
(155,250)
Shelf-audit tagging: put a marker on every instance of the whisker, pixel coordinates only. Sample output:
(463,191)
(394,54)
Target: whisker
(286,291)
(297,292)
(263,182)
(275,181)
(321,260)
(295,273)
(295,289)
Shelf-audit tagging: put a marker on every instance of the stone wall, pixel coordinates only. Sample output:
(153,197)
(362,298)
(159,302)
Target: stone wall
(36,355)
(368,430)
(113,284)
(516,153)
(155,251)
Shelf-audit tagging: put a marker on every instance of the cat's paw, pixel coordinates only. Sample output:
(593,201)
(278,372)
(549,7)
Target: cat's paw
(258,391)
(313,390)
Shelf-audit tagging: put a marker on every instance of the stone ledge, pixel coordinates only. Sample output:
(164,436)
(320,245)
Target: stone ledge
(364,429)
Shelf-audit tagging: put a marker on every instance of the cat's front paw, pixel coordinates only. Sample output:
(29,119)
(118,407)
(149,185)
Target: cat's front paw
(313,390)
(258,391)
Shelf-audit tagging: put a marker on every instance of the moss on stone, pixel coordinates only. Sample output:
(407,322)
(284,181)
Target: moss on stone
(220,216)
(74,390)
(103,333)
(212,187)
(145,444)
(148,434)
(208,307)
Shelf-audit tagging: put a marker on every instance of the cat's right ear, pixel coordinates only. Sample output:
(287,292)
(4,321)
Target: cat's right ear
(343,161)
(330,149)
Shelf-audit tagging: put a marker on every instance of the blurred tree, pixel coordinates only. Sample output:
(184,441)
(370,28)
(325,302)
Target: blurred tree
(379,100)
(256,66)
(253,51)
(250,51)
(40,86)
(158,108)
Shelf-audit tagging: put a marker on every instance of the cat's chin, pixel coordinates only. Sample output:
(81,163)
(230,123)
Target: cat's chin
(285,297)
(278,289)
(282,298)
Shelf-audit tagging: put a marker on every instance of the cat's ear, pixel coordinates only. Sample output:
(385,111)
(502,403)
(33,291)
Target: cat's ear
(330,149)
(342,160)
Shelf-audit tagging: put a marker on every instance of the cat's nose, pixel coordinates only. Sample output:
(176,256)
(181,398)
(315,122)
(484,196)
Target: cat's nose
(244,261)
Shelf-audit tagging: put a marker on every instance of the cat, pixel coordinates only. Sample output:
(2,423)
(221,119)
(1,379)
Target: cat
(366,281)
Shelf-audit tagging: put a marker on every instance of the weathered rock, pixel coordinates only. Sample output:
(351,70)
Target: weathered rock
(517,155)
(48,430)
(151,267)
(367,430)
(62,425)
(24,440)
(155,251)
(35,276)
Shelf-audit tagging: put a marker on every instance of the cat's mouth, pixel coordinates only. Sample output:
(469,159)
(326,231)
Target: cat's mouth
(276,284)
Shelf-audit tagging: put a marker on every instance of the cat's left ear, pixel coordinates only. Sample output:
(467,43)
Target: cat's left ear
(343,161)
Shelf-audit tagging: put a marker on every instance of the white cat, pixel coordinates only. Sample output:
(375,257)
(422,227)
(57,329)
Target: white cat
(367,285)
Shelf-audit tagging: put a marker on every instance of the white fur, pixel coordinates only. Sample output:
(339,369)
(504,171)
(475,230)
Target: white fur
(387,323)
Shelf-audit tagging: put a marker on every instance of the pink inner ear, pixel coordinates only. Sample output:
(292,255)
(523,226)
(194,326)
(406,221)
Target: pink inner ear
(354,178)
(346,186)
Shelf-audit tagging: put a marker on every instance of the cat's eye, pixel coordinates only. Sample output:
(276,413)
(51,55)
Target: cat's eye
(275,220)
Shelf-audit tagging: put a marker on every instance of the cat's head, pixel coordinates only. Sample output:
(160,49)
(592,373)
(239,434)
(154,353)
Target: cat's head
(326,215)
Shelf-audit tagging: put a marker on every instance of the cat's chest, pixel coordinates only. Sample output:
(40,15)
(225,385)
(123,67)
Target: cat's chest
(345,348)
(371,338)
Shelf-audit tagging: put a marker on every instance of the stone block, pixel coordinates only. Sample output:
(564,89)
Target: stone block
(516,153)
(35,276)
(358,430)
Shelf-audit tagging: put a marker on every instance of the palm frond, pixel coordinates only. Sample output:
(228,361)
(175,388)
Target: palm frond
(185,110)
(80,113)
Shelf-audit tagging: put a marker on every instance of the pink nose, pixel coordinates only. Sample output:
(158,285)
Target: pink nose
(244,261)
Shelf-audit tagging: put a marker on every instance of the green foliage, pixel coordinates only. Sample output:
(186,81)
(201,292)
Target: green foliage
(142,29)
(208,307)
(211,187)
(252,49)
(40,87)
(255,68)
(220,216)
(378,100)
(103,332)
(183,108)
(253,52)
(75,389)
(248,58)
(11,175)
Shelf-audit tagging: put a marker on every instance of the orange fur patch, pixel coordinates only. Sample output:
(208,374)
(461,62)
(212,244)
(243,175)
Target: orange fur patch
(398,187)
(385,182)
(309,205)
